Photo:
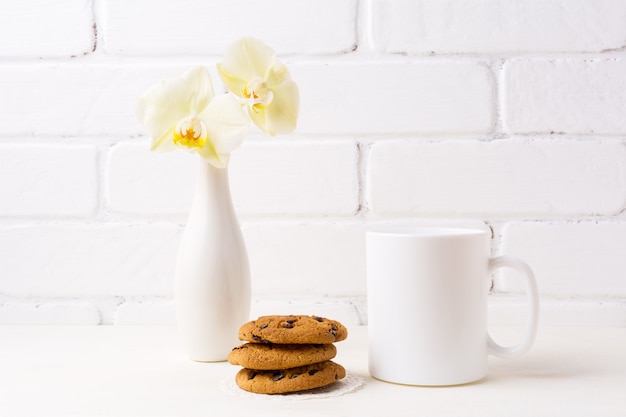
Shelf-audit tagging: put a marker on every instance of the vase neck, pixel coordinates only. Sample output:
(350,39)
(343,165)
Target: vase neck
(212,183)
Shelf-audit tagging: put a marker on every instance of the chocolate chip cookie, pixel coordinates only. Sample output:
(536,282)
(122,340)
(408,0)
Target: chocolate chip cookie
(270,356)
(290,380)
(293,330)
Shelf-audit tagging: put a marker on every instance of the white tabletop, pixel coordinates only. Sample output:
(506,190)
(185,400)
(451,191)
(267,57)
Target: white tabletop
(143,371)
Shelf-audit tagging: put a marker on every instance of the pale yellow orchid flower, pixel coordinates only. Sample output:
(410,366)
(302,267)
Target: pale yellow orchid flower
(183,112)
(251,71)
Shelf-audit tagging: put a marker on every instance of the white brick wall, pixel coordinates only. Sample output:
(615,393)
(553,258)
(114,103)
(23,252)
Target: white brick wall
(88,260)
(289,178)
(75,97)
(48,180)
(589,253)
(576,95)
(503,178)
(41,28)
(507,114)
(498,27)
(199,28)
(397,98)
(145,184)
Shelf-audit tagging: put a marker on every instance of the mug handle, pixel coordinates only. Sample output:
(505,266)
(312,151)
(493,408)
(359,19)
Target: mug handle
(533,311)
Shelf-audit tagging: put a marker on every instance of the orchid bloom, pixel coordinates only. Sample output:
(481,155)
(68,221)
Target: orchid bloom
(183,112)
(251,72)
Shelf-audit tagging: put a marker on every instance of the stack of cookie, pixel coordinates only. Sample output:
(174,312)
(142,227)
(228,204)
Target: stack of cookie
(288,354)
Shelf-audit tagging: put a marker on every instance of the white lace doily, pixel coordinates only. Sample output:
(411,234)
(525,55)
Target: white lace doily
(348,384)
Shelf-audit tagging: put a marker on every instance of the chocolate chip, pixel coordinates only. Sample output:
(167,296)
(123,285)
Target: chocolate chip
(277,376)
(263,326)
(291,321)
(318,319)
(295,375)
(288,325)
(313,371)
(257,338)
(252,375)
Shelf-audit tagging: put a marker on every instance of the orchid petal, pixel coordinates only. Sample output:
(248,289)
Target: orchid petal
(232,82)
(245,60)
(200,89)
(282,115)
(164,104)
(277,74)
(227,125)
(156,113)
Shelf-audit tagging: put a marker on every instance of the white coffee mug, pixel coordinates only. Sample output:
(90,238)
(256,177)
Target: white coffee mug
(427,305)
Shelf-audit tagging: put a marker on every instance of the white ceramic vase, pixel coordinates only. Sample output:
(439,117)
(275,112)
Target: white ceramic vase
(212,291)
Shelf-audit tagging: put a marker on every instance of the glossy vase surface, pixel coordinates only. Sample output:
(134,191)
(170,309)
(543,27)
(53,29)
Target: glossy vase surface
(212,290)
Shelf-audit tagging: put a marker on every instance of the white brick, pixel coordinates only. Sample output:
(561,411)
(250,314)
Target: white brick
(48,180)
(75,99)
(147,183)
(496,26)
(295,178)
(190,27)
(83,261)
(423,97)
(582,96)
(49,313)
(504,177)
(291,259)
(41,28)
(569,259)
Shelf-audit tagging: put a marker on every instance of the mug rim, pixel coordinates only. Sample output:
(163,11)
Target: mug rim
(428,231)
